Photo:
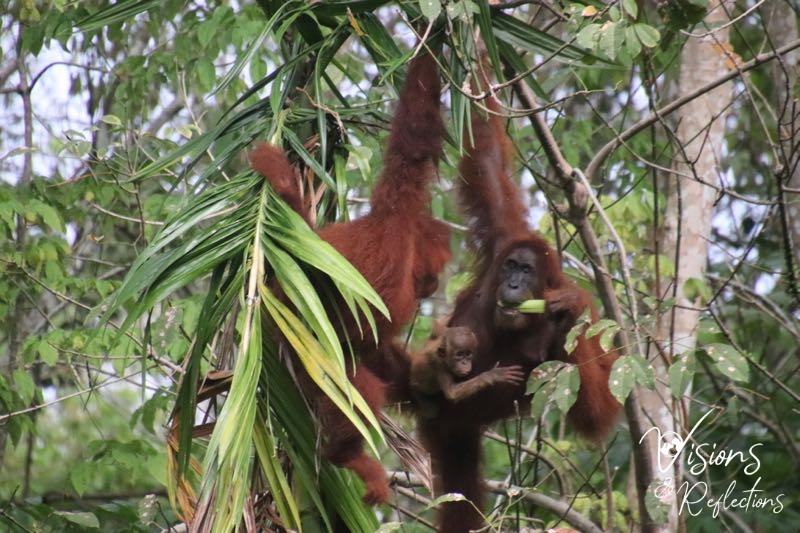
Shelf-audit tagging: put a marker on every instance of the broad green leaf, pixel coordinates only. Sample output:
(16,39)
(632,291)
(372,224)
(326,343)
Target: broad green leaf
(80,518)
(49,215)
(607,338)
(430,8)
(543,385)
(112,120)
(600,326)
(24,385)
(567,383)
(571,340)
(657,509)
(362,156)
(681,373)
(446,498)
(632,43)
(588,36)
(622,378)
(729,361)
(696,290)
(207,30)
(645,374)
(53,272)
(542,397)
(630,8)
(542,374)
(461,9)
(81,476)
(612,35)
(206,72)
(647,34)
(47,352)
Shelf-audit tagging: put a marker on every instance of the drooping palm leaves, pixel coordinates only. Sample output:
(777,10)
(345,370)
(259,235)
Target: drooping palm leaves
(265,233)
(247,243)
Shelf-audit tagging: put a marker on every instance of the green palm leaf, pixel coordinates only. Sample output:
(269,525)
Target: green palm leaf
(243,218)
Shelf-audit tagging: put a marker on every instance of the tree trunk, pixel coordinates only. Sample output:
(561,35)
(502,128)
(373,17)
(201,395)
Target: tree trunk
(687,224)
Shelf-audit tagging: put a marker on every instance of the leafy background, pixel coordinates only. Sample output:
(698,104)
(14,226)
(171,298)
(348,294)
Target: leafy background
(135,242)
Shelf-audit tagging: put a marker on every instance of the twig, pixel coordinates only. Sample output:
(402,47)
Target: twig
(562,509)
(727,24)
(409,493)
(81,392)
(603,154)
(623,259)
(576,197)
(56,498)
(123,217)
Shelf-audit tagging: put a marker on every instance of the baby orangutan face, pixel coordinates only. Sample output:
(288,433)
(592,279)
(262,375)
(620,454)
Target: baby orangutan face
(458,348)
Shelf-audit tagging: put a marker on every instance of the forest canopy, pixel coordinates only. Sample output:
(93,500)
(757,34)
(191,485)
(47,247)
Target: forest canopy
(158,298)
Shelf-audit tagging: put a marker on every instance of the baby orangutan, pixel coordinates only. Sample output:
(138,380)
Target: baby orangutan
(443,365)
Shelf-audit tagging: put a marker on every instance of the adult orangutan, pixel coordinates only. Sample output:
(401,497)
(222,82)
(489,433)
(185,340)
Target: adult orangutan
(398,248)
(513,264)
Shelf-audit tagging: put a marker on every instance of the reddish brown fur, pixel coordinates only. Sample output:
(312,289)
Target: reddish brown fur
(498,227)
(398,247)
(272,163)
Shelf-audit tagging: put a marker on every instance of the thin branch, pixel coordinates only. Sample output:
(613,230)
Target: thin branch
(577,195)
(81,392)
(727,24)
(558,507)
(53,498)
(123,217)
(612,145)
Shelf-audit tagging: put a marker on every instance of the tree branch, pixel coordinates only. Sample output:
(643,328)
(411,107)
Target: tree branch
(577,198)
(558,507)
(603,154)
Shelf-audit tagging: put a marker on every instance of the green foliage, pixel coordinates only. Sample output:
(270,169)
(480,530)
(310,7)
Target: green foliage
(656,508)
(681,373)
(576,331)
(430,8)
(614,33)
(135,208)
(728,361)
(627,372)
(556,382)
